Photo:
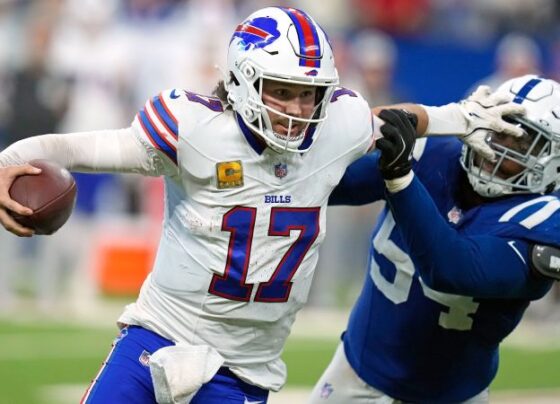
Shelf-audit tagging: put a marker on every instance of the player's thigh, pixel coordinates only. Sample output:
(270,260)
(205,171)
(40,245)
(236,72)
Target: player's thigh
(339,384)
(124,377)
(226,388)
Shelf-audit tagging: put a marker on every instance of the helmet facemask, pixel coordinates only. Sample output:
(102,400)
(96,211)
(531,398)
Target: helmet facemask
(528,164)
(291,141)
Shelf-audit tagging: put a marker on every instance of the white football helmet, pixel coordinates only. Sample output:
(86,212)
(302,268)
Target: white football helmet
(286,45)
(536,153)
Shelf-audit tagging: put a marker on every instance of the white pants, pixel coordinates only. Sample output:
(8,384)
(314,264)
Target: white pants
(339,384)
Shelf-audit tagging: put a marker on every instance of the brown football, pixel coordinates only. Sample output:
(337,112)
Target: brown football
(51,195)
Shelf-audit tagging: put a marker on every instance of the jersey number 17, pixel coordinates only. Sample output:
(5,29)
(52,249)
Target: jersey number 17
(240,222)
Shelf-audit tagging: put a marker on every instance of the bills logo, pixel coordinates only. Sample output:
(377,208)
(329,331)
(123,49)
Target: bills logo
(256,33)
(281,170)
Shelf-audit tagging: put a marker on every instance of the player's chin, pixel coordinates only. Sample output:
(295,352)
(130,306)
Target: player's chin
(287,133)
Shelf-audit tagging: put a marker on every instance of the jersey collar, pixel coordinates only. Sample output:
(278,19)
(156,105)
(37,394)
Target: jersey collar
(256,144)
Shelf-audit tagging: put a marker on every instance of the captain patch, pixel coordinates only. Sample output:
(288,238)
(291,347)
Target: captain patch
(229,174)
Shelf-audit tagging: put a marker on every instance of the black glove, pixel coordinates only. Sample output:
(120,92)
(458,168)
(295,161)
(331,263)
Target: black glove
(397,143)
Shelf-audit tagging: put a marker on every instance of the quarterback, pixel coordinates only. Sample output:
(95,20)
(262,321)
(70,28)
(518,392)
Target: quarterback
(248,175)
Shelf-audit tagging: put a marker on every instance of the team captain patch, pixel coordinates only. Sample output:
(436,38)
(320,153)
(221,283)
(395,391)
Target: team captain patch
(230,174)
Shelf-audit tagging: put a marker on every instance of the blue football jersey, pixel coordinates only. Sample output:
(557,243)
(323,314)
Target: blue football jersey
(419,344)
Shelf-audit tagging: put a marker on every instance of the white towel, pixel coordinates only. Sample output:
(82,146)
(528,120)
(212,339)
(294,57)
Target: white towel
(179,371)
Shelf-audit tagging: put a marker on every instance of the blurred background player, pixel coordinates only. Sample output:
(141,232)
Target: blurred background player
(456,256)
(516,55)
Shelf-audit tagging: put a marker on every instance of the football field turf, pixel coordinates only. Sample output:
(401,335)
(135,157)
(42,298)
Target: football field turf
(34,357)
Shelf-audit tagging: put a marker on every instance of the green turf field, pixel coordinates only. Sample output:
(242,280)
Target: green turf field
(35,356)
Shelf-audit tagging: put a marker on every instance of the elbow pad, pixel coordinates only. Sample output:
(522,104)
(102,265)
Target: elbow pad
(545,261)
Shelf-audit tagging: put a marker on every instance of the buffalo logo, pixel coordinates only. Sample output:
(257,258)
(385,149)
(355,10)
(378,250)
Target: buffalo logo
(256,33)
(312,73)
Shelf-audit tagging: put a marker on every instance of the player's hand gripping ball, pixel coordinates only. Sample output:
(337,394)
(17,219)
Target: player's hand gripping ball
(51,195)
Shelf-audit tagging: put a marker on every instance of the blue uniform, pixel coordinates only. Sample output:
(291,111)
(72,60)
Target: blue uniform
(445,286)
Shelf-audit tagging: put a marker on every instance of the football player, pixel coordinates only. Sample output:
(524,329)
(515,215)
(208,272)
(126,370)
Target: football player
(464,244)
(247,178)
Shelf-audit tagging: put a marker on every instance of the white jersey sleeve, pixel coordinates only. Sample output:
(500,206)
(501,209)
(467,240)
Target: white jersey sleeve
(157,125)
(352,124)
(120,150)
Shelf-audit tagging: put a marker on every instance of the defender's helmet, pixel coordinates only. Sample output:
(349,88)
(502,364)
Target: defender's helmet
(536,155)
(286,45)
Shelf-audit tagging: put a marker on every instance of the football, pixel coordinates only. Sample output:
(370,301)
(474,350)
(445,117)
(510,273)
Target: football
(51,195)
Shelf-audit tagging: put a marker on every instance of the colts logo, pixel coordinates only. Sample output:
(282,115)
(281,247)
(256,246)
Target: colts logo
(256,33)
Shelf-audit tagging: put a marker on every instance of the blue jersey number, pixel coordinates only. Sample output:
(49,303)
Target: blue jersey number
(456,316)
(240,222)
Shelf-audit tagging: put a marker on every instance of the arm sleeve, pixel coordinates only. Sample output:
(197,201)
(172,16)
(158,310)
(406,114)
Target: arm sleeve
(482,266)
(361,183)
(122,150)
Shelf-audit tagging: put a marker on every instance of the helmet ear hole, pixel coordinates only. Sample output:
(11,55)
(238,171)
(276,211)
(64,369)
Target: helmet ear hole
(248,71)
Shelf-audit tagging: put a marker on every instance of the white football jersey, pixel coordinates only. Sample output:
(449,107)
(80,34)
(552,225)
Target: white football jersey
(242,227)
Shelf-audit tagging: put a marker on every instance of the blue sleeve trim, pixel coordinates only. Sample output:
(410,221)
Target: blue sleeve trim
(165,116)
(158,141)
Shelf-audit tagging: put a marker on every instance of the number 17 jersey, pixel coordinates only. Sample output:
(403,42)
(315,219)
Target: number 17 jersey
(242,226)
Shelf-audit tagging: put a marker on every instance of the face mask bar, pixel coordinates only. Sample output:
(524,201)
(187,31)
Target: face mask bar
(263,126)
(531,157)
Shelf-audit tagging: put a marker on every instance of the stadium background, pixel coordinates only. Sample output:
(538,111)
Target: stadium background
(77,65)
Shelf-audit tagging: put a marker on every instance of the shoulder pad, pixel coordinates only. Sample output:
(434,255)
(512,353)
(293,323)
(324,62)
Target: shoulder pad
(209,102)
(545,261)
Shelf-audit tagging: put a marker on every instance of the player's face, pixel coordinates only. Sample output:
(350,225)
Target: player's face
(291,99)
(522,145)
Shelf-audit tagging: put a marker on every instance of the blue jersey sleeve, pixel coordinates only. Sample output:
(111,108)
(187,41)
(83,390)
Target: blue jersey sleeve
(361,184)
(482,266)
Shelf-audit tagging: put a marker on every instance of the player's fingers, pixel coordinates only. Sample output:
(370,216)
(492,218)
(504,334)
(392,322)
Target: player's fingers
(506,128)
(14,227)
(13,206)
(511,109)
(485,151)
(15,171)
(499,99)
(477,141)
(481,91)
(395,117)
(384,145)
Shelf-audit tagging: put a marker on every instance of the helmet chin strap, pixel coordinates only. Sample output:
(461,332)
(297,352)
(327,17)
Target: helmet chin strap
(486,188)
